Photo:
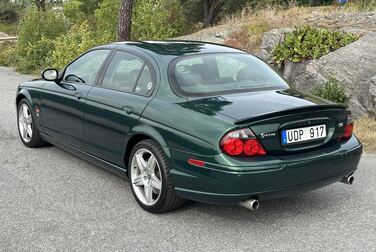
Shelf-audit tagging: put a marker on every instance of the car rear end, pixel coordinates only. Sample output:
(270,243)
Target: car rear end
(274,155)
(280,142)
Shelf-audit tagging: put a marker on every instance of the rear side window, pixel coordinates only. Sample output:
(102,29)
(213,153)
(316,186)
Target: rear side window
(128,73)
(218,73)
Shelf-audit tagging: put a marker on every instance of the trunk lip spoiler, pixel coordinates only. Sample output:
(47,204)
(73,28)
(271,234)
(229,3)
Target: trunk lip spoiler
(286,111)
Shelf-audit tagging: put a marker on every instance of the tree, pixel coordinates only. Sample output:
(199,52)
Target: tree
(41,5)
(211,10)
(125,20)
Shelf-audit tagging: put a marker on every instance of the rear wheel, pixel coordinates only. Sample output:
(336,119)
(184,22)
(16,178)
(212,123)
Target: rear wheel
(150,178)
(27,128)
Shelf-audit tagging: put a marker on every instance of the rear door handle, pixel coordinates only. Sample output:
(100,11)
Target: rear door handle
(128,110)
(78,95)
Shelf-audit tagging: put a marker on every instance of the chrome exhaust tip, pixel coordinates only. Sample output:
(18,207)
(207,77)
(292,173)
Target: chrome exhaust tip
(251,204)
(348,180)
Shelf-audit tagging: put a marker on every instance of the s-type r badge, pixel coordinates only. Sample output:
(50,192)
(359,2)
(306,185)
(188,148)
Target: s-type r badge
(268,135)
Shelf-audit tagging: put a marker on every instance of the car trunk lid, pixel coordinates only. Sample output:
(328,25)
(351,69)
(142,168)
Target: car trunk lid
(270,113)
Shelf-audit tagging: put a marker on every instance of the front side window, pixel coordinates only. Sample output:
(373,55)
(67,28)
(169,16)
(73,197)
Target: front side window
(208,74)
(128,73)
(85,69)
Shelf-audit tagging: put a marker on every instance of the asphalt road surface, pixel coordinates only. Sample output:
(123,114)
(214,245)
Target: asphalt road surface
(51,200)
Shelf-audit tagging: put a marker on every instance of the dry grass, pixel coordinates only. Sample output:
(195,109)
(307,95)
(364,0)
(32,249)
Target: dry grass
(365,130)
(249,37)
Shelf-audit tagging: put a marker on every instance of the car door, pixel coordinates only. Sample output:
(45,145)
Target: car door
(114,107)
(62,104)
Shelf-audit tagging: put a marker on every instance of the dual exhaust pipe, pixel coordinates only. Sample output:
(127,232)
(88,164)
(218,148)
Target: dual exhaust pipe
(254,204)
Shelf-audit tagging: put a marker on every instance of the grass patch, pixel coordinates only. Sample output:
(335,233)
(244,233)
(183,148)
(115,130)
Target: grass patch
(10,29)
(365,130)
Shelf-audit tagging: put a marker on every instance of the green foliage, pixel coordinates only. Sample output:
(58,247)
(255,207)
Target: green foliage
(72,11)
(310,43)
(37,30)
(107,17)
(332,91)
(7,54)
(157,19)
(313,2)
(79,39)
(33,57)
(79,10)
(152,19)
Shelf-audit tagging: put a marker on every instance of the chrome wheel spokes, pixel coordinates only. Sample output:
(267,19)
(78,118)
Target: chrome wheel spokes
(25,123)
(146,177)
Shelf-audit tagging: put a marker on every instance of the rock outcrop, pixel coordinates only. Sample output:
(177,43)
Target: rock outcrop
(354,66)
(6,38)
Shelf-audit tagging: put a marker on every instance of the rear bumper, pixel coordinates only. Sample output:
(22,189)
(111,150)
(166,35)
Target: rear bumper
(265,179)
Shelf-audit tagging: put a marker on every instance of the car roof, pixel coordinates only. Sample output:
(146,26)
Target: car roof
(175,48)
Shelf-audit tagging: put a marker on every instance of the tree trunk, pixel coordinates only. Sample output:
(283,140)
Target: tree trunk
(41,5)
(211,10)
(125,20)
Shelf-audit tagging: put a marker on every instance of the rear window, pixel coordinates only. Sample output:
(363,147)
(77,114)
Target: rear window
(219,73)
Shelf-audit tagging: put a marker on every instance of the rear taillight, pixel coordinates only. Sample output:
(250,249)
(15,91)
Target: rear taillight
(242,142)
(348,131)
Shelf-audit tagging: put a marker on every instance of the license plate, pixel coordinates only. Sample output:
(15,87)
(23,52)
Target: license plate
(303,134)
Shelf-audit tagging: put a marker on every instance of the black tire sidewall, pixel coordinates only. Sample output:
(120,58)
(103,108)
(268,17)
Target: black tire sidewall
(157,151)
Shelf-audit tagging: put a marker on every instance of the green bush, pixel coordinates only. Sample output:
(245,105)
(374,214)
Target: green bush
(37,30)
(72,11)
(107,17)
(332,91)
(152,19)
(310,43)
(157,19)
(37,24)
(33,57)
(78,39)
(78,11)
(7,54)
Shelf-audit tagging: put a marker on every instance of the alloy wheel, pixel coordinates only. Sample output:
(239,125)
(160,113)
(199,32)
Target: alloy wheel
(146,177)
(25,123)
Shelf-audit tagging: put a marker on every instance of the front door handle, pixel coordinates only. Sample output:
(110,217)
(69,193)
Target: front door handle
(78,95)
(128,110)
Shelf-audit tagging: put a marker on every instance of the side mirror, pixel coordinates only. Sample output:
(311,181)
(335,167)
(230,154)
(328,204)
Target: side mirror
(50,74)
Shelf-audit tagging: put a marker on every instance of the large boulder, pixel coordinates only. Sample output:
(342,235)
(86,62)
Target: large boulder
(354,66)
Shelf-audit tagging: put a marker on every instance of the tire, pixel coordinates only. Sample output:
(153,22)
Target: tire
(162,200)
(33,141)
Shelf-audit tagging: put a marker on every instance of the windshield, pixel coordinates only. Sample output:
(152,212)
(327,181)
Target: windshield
(209,74)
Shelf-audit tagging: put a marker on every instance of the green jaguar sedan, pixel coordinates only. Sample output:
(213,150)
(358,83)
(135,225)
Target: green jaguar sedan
(189,120)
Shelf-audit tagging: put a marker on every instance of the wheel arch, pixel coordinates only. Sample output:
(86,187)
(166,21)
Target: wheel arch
(140,133)
(21,95)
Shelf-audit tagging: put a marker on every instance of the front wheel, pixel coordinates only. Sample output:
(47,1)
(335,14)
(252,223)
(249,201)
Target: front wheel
(150,178)
(27,127)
